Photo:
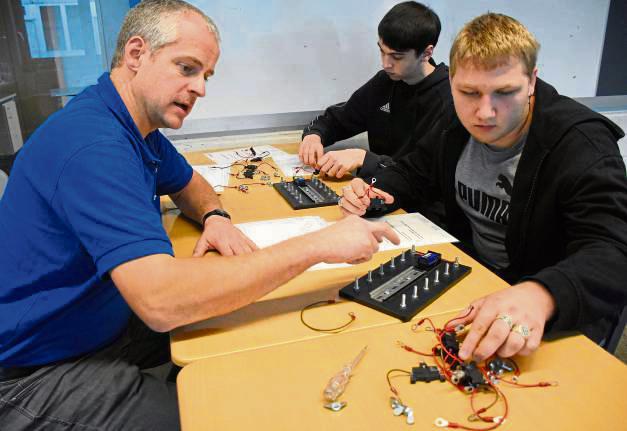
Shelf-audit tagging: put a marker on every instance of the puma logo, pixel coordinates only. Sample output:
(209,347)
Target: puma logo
(504,183)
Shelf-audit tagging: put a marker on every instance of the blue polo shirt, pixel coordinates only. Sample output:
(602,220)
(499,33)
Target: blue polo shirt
(82,198)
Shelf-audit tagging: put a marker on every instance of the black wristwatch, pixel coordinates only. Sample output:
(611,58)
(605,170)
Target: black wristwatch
(218,211)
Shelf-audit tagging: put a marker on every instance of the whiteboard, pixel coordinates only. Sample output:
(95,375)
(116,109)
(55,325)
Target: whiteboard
(286,56)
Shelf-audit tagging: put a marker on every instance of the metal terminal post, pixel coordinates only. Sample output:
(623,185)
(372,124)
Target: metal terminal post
(426,287)
(415,295)
(404,301)
(369,277)
(403,256)
(457,376)
(456,263)
(437,276)
(392,263)
(446,269)
(381,271)
(356,284)
(396,283)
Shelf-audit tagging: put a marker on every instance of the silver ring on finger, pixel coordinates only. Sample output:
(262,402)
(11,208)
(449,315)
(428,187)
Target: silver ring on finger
(507,319)
(522,330)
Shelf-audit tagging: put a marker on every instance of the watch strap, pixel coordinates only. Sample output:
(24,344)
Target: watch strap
(218,211)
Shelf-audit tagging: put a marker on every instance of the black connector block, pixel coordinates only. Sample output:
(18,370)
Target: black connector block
(304,193)
(451,344)
(473,377)
(425,373)
(385,287)
(377,205)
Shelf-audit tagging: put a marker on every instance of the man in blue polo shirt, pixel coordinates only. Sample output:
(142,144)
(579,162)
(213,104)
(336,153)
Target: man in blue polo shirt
(89,286)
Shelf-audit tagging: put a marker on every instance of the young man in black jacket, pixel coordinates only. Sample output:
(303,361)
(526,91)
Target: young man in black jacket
(398,104)
(533,181)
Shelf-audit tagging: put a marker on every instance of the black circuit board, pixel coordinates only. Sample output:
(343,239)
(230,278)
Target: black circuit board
(422,280)
(306,193)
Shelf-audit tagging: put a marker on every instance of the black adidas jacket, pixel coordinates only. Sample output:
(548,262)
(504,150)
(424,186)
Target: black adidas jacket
(393,113)
(568,211)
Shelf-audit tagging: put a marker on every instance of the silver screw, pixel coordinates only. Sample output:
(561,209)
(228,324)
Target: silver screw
(410,417)
(336,406)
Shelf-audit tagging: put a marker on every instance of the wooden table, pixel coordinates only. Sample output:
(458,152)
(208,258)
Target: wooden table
(260,368)
(275,318)
(280,387)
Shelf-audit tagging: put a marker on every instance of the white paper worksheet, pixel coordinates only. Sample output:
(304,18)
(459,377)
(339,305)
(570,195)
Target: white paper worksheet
(216,175)
(291,165)
(288,163)
(413,229)
(228,157)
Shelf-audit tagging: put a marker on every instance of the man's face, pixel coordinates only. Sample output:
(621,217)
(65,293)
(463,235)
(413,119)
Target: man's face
(169,81)
(399,65)
(493,104)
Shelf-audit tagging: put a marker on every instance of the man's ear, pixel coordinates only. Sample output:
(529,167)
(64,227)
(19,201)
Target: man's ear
(428,52)
(134,49)
(532,81)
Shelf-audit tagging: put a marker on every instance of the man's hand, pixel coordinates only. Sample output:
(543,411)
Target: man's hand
(310,150)
(356,197)
(219,234)
(338,163)
(352,240)
(527,304)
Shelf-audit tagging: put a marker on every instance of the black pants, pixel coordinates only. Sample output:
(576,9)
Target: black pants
(105,390)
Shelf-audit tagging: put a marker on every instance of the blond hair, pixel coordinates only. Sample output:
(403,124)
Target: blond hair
(490,40)
(148,20)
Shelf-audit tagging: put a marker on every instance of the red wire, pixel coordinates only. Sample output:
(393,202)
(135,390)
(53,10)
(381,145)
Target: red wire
(460,317)
(439,335)
(494,426)
(445,369)
(477,413)
(411,350)
(421,321)
(368,189)
(528,385)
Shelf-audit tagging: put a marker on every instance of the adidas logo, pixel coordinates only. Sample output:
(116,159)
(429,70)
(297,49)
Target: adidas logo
(385,108)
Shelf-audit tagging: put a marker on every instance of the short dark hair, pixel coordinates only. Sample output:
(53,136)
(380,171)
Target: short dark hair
(410,25)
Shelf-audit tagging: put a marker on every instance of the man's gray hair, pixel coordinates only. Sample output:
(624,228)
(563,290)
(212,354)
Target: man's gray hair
(146,20)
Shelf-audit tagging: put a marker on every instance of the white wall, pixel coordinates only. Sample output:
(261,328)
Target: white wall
(283,56)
